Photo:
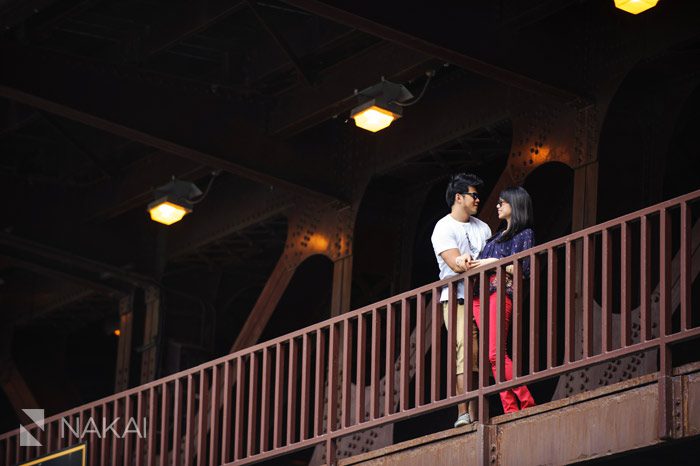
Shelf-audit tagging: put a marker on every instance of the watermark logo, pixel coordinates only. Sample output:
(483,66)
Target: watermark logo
(100,427)
(26,439)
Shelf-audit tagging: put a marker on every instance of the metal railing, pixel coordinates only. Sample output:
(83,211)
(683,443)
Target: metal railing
(367,368)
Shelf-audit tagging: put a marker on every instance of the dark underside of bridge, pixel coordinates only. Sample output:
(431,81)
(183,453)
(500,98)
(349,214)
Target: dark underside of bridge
(594,110)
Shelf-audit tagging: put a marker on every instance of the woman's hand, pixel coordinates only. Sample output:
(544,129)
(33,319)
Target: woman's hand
(463,261)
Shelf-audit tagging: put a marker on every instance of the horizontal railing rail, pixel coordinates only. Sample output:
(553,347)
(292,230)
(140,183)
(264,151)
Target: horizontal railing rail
(392,360)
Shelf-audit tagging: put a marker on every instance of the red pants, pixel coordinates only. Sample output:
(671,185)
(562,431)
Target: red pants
(510,397)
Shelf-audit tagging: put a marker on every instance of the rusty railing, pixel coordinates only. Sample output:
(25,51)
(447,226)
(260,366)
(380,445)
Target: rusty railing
(368,367)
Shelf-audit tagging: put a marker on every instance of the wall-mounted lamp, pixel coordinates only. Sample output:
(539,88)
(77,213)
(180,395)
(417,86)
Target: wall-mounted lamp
(635,6)
(380,106)
(176,199)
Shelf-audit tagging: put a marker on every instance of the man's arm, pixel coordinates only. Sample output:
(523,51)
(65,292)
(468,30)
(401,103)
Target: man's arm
(454,260)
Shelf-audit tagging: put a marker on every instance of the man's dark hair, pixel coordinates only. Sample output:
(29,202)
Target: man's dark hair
(459,184)
(521,212)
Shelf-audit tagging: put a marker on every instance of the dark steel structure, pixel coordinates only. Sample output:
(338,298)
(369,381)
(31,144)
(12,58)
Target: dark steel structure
(216,329)
(297,390)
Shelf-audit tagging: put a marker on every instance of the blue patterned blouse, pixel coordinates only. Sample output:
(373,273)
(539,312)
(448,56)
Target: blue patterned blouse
(521,241)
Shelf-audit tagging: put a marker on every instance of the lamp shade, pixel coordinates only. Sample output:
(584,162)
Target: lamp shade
(166,212)
(372,117)
(173,201)
(635,6)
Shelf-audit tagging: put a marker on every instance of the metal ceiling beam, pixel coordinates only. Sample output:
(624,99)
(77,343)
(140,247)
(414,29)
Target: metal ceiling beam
(333,92)
(186,19)
(226,135)
(475,65)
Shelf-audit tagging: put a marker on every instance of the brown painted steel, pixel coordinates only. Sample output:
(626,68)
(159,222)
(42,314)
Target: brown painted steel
(685,266)
(389,359)
(534,313)
(484,365)
(420,350)
(517,320)
(435,346)
(265,390)
(253,402)
(246,430)
(292,372)
(645,279)
(405,354)
(625,282)
(214,437)
(347,368)
(451,338)
(551,307)
(500,325)
(588,286)
(305,387)
(468,377)
(569,296)
(227,421)
(606,299)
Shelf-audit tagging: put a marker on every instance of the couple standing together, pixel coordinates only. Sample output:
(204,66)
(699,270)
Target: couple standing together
(463,242)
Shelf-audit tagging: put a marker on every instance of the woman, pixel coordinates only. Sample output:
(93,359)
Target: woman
(515,208)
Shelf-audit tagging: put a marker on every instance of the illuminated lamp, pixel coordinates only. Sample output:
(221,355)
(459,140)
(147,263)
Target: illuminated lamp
(173,201)
(635,6)
(381,105)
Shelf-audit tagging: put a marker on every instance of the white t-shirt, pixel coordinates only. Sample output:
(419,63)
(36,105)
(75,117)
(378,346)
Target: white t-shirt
(468,237)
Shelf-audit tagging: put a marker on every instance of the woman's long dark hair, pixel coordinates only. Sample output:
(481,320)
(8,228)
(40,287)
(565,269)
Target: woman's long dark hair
(521,216)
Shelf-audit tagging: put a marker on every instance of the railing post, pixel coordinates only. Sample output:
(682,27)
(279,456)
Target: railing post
(484,364)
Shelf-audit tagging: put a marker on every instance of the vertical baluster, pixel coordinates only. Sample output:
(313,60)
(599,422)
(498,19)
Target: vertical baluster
(115,447)
(484,326)
(127,441)
(389,362)
(152,423)
(606,331)
(374,380)
(320,372)
(569,322)
(52,435)
(405,353)
(552,293)
(625,282)
(226,421)
(177,415)
(202,418)
(104,444)
(645,280)
(420,349)
(534,313)
(239,430)
(215,398)
(305,387)
(266,388)
(252,403)
(293,371)
(517,318)
(468,373)
(451,338)
(500,324)
(189,419)
(347,368)
(138,450)
(435,346)
(279,384)
(360,377)
(588,280)
(664,273)
(333,345)
(92,442)
(685,264)
(164,424)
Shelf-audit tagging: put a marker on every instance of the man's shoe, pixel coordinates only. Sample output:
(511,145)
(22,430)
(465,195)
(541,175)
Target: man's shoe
(463,420)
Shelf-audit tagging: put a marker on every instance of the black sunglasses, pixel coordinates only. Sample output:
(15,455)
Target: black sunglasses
(474,196)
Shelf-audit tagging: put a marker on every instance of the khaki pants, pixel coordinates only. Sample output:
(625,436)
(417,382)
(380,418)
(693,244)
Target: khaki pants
(460,339)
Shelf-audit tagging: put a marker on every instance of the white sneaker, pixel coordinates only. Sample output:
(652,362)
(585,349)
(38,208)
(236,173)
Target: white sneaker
(463,420)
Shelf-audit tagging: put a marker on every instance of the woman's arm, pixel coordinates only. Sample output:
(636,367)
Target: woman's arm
(522,241)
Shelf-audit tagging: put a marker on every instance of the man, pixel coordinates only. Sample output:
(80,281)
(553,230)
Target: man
(457,239)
